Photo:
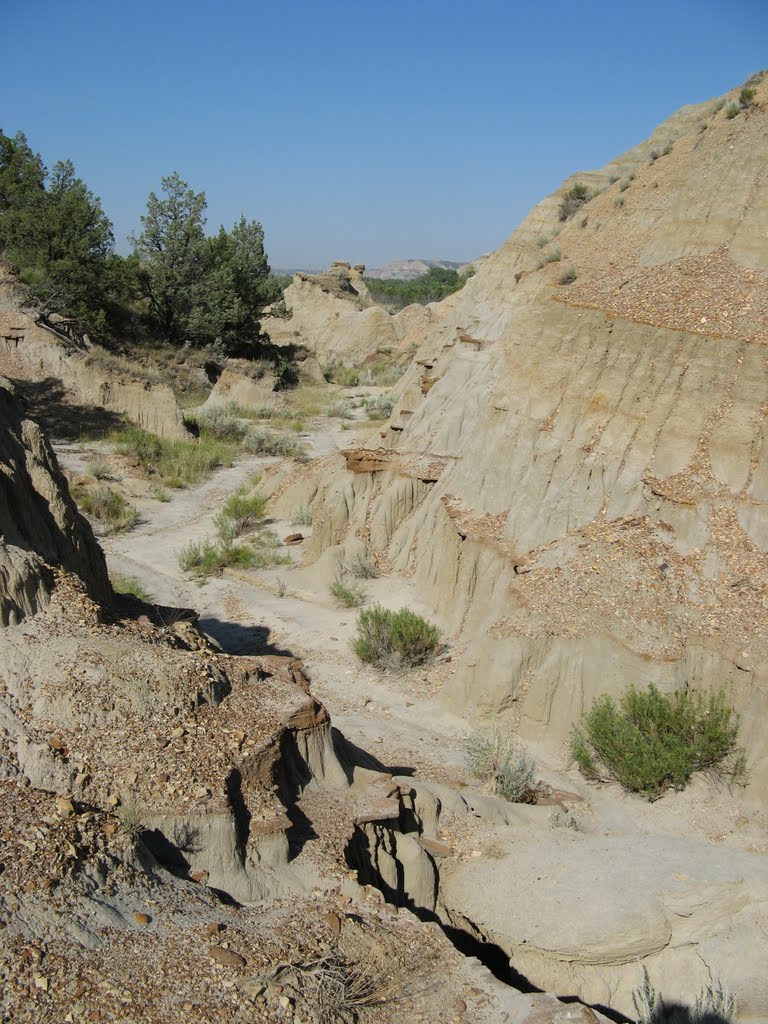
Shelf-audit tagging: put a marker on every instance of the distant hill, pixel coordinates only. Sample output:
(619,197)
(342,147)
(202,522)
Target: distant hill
(406,270)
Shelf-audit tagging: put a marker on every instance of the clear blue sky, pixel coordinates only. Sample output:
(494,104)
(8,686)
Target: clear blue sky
(365,132)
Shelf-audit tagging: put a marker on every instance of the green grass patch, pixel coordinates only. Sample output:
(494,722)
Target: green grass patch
(208,558)
(651,741)
(107,507)
(179,462)
(347,595)
(130,585)
(394,640)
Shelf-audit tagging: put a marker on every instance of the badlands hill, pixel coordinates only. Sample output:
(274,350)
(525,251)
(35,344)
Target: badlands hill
(406,270)
(576,473)
(573,483)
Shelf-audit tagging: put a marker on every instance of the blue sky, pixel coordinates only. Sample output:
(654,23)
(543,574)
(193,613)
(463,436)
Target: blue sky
(364,132)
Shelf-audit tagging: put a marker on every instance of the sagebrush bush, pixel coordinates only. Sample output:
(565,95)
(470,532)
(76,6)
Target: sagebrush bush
(219,422)
(389,639)
(568,276)
(714,1005)
(301,516)
(493,756)
(380,407)
(652,741)
(573,200)
(266,442)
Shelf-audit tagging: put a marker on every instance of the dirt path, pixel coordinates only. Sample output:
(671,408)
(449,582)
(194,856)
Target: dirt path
(245,613)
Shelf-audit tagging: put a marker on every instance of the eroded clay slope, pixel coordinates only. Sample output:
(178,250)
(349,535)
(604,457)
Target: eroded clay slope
(40,525)
(49,357)
(577,473)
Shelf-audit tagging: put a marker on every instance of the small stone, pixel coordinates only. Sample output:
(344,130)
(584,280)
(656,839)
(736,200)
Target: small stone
(214,927)
(140,918)
(41,982)
(476,853)
(177,733)
(199,876)
(285,1002)
(334,923)
(460,1006)
(64,807)
(226,957)
(294,538)
(113,801)
(55,743)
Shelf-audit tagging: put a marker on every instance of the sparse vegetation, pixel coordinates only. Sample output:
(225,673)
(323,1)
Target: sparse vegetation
(362,567)
(394,640)
(573,200)
(653,741)
(551,257)
(624,185)
(380,407)
(130,585)
(618,201)
(241,513)
(732,110)
(493,756)
(218,422)
(109,508)
(301,516)
(747,97)
(343,409)
(206,558)
(100,469)
(347,595)
(130,816)
(259,441)
(568,276)
(179,462)
(714,1005)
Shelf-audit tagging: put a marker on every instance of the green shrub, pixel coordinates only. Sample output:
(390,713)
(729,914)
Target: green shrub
(110,509)
(747,97)
(494,757)
(732,110)
(400,639)
(242,512)
(653,741)
(347,595)
(567,277)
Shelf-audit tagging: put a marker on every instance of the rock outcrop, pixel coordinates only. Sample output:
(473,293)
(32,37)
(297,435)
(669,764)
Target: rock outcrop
(41,526)
(334,317)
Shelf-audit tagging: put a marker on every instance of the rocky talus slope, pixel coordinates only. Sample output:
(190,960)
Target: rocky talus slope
(157,857)
(576,480)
